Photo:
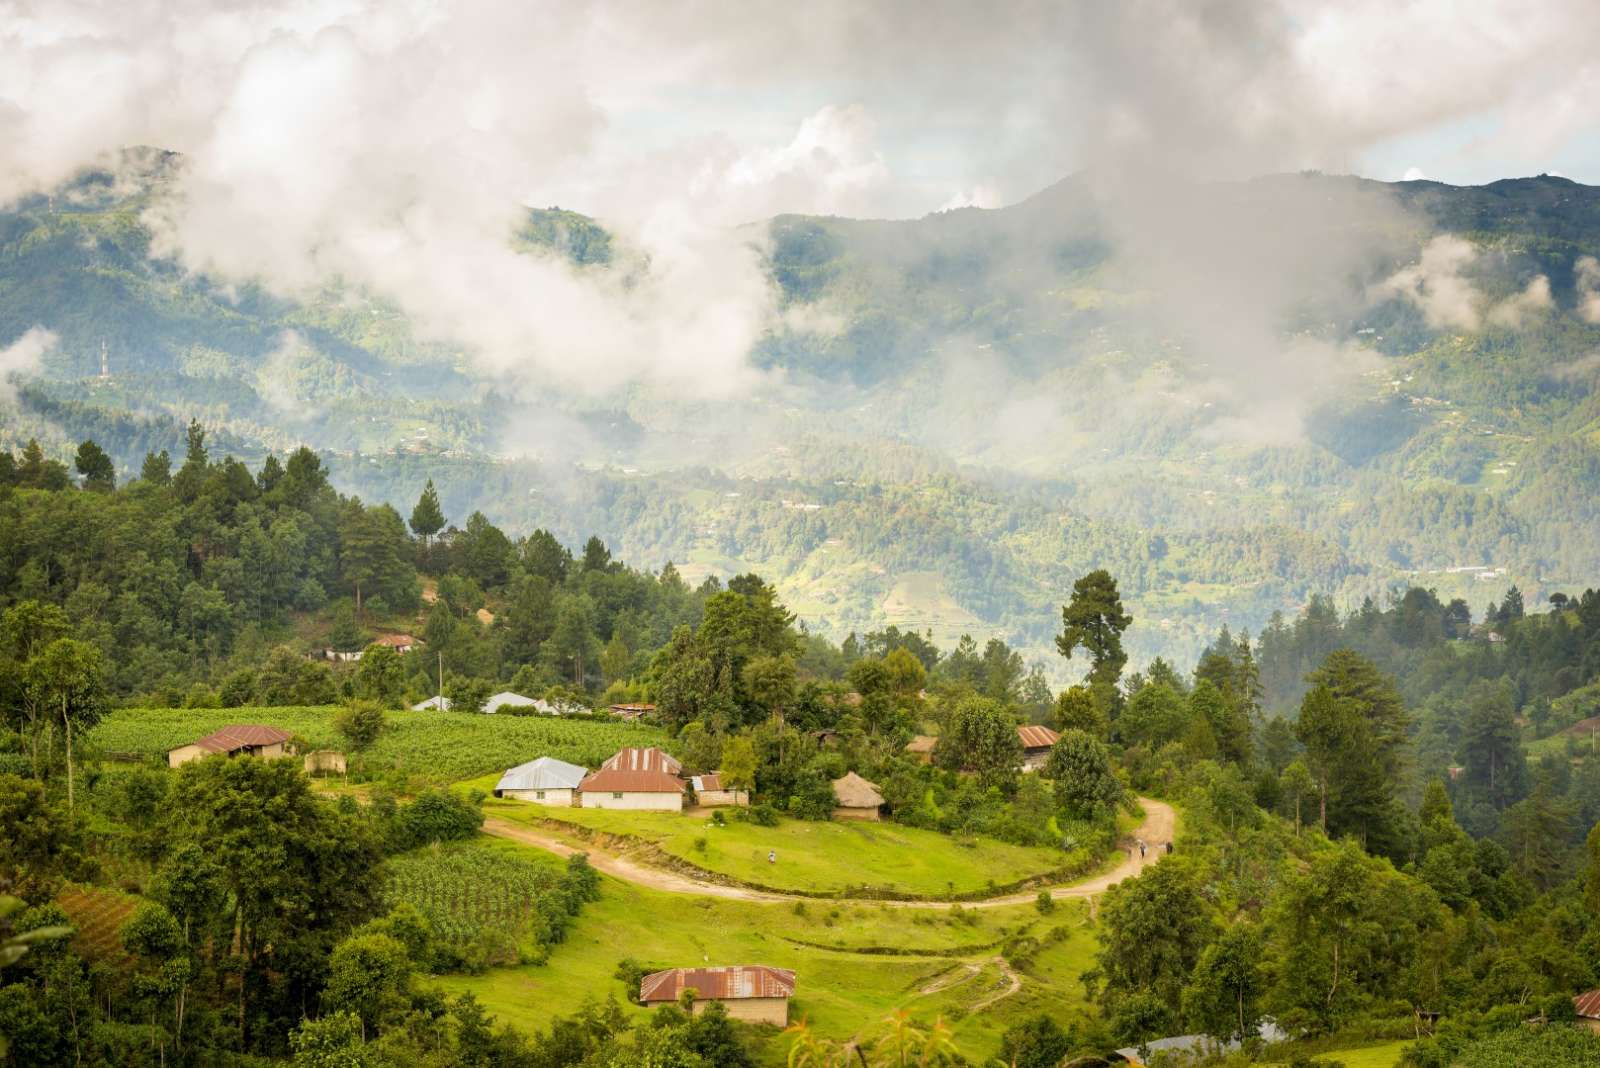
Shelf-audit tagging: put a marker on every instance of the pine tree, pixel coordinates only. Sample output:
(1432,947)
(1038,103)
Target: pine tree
(427,518)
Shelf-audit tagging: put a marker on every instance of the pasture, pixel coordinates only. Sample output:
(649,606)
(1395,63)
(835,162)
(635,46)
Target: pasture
(845,857)
(855,961)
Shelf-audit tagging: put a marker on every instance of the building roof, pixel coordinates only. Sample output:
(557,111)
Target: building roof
(237,736)
(394,641)
(1587,1005)
(440,703)
(853,791)
(632,709)
(1036,737)
(725,983)
(922,743)
(507,699)
(546,773)
(711,781)
(642,758)
(638,770)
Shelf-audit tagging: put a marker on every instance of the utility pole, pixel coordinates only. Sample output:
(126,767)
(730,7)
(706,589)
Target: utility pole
(441,681)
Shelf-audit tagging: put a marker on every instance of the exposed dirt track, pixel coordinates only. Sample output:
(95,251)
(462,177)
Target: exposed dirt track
(1155,832)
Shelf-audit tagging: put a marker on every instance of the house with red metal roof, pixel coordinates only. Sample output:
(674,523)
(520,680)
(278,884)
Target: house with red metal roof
(236,739)
(1587,1006)
(753,993)
(635,778)
(1037,742)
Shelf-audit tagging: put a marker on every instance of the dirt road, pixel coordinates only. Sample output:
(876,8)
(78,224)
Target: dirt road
(1155,832)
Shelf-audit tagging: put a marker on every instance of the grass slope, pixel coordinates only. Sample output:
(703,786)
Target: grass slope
(434,747)
(816,858)
(877,959)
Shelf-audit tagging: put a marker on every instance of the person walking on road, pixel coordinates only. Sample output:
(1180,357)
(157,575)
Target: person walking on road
(1141,849)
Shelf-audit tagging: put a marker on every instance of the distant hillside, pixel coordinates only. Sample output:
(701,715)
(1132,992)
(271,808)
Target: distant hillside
(979,404)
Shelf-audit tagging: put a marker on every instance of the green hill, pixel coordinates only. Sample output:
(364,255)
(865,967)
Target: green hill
(997,400)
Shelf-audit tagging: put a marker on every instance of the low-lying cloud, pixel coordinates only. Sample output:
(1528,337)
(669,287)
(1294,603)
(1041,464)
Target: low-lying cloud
(22,358)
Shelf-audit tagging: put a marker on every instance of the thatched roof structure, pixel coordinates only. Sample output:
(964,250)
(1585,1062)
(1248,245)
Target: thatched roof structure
(853,791)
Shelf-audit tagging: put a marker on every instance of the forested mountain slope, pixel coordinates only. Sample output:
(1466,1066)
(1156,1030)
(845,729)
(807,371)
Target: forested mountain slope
(968,408)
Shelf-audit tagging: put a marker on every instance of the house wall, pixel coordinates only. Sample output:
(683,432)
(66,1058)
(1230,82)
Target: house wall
(722,798)
(325,760)
(1583,1021)
(657,802)
(1034,759)
(267,752)
(551,797)
(773,1011)
(183,754)
(855,813)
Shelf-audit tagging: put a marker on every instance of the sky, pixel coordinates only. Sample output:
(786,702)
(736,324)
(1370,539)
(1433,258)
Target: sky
(390,142)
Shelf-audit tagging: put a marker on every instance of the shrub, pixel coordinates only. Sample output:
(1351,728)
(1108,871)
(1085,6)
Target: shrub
(1045,903)
(435,816)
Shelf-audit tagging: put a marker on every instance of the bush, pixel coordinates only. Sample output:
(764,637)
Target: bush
(1045,903)
(361,723)
(762,815)
(435,816)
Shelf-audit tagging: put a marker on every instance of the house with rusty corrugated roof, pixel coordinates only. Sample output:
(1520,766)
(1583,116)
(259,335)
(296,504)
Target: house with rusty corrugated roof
(1587,1006)
(236,739)
(1037,742)
(635,778)
(753,993)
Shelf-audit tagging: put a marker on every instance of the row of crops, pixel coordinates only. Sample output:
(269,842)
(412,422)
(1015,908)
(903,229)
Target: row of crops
(432,746)
(486,906)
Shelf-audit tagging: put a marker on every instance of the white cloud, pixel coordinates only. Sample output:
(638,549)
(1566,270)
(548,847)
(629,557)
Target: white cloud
(23,357)
(1413,174)
(1441,286)
(1586,279)
(982,195)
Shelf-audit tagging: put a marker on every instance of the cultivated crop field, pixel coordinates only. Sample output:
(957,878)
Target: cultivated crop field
(435,747)
(470,892)
(97,916)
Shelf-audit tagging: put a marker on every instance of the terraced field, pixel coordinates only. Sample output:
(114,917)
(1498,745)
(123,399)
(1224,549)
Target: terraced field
(98,915)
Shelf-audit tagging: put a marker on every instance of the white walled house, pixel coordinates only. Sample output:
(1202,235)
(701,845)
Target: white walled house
(638,779)
(546,781)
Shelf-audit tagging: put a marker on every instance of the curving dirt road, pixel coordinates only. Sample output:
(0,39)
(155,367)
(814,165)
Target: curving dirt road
(1155,832)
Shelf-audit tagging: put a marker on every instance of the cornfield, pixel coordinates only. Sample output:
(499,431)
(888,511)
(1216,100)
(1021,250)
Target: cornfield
(436,747)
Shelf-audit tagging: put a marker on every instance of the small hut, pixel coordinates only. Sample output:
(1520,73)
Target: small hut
(855,798)
(920,748)
(711,792)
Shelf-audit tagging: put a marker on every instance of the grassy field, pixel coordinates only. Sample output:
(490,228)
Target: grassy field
(1370,1055)
(819,858)
(434,747)
(934,963)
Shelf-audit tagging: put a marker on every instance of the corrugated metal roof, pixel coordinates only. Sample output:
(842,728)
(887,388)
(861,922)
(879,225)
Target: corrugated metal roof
(546,773)
(642,758)
(710,781)
(442,703)
(1036,737)
(507,699)
(637,770)
(1588,1005)
(236,736)
(631,782)
(724,984)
